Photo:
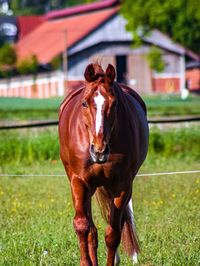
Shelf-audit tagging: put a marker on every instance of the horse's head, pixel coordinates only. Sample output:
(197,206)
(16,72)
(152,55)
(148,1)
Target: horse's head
(98,109)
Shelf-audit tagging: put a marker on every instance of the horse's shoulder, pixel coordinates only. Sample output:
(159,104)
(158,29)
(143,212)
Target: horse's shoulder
(135,95)
(72,95)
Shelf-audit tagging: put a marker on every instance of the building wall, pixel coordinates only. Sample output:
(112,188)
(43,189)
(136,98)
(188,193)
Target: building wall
(169,81)
(139,74)
(193,79)
(167,84)
(44,86)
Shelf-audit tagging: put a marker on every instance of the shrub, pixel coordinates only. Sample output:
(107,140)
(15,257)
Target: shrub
(39,145)
(8,55)
(56,62)
(28,65)
(28,147)
(155,60)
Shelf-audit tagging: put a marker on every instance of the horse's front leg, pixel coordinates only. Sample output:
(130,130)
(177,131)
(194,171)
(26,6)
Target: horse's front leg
(93,244)
(83,224)
(113,232)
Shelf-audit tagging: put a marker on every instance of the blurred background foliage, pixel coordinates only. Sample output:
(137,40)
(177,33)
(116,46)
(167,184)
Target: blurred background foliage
(29,7)
(180,19)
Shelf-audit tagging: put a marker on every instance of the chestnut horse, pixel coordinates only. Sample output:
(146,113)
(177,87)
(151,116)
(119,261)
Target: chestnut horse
(103,134)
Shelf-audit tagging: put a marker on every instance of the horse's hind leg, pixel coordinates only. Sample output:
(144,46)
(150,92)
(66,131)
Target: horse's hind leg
(82,221)
(117,258)
(113,232)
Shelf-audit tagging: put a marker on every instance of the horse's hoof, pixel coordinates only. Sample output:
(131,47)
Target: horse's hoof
(134,258)
(117,259)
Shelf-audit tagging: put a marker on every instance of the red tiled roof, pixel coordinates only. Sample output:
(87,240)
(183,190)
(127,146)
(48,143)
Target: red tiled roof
(27,24)
(81,9)
(48,40)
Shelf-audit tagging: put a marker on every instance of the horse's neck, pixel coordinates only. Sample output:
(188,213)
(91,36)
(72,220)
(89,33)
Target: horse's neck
(74,93)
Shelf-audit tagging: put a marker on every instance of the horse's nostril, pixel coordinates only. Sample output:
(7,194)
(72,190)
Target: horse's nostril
(107,149)
(92,147)
(99,156)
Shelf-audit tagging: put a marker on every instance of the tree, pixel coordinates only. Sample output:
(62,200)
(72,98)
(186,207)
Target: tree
(180,19)
(8,56)
(155,60)
(28,65)
(28,7)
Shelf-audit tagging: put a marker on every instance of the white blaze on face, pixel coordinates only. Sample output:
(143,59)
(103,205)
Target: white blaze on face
(99,101)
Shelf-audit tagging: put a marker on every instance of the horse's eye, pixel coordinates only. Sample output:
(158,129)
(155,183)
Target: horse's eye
(84,104)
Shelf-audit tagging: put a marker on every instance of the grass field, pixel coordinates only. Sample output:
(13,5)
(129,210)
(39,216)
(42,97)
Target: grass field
(27,109)
(36,218)
(36,211)
(25,147)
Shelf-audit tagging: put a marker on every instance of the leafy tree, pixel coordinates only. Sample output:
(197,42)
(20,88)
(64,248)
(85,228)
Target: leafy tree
(8,55)
(155,60)
(28,65)
(27,7)
(8,59)
(15,4)
(178,18)
(56,62)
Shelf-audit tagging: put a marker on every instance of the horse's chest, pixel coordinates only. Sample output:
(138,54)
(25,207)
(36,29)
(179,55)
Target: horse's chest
(102,175)
(105,170)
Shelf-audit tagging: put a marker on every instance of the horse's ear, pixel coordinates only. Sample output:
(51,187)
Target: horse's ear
(89,73)
(110,73)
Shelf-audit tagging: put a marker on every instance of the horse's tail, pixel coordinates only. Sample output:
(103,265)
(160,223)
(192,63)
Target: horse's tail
(129,237)
(103,199)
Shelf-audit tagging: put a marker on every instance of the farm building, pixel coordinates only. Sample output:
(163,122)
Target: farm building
(193,76)
(86,33)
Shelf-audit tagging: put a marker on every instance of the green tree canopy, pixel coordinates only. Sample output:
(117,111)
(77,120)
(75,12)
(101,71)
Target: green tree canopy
(27,7)
(8,55)
(180,19)
(28,65)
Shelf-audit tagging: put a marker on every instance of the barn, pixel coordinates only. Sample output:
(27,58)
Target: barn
(193,76)
(96,32)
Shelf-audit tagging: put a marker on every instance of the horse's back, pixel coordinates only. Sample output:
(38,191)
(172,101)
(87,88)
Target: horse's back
(137,116)
(135,95)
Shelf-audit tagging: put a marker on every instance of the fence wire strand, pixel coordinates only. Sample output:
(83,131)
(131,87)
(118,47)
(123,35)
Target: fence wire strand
(165,120)
(139,175)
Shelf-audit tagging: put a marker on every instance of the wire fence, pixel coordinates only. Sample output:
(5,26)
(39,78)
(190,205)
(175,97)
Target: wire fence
(55,123)
(138,175)
(48,123)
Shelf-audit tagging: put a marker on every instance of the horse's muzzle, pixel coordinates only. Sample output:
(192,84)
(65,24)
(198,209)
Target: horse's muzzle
(99,157)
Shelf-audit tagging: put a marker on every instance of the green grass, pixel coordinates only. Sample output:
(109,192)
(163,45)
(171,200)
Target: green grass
(28,146)
(172,105)
(28,109)
(37,213)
